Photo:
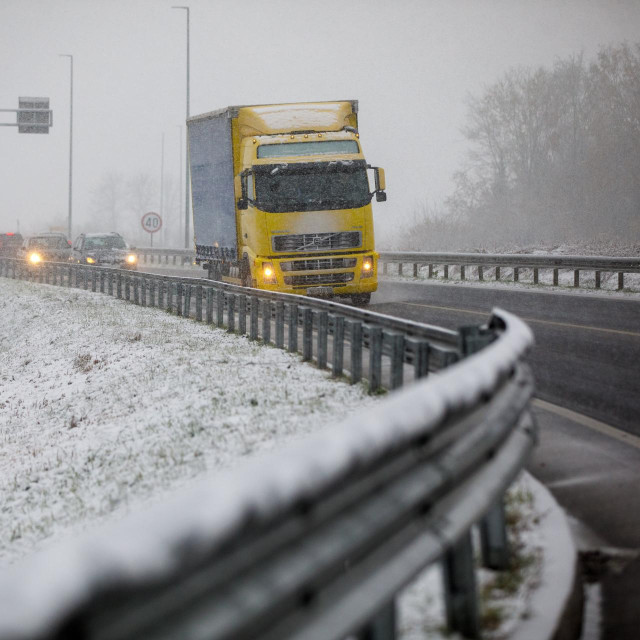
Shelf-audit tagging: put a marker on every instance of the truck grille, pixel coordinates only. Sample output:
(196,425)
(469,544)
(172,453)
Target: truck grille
(317,241)
(313,279)
(318,264)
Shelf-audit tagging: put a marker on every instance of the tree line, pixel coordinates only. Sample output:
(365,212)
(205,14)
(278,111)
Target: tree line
(554,156)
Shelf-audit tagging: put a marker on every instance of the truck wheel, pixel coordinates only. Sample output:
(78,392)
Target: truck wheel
(361,299)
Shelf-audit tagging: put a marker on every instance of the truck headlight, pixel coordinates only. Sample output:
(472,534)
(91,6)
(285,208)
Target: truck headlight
(91,261)
(268,273)
(35,258)
(367,267)
(132,259)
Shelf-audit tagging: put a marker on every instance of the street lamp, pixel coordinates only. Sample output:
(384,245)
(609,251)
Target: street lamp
(186,179)
(68,55)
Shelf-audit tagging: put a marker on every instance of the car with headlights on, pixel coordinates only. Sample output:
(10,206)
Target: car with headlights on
(103,250)
(45,247)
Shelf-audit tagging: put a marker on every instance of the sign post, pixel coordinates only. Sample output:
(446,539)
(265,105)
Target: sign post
(151,223)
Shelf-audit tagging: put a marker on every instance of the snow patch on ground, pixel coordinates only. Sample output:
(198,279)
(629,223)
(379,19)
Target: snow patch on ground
(106,406)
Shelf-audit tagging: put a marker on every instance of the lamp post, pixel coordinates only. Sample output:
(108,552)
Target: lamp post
(186,179)
(69,219)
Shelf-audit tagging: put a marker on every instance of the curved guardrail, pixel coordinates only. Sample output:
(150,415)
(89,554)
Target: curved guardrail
(315,541)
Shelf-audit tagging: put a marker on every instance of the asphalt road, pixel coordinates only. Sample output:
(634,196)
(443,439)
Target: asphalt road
(587,358)
(587,353)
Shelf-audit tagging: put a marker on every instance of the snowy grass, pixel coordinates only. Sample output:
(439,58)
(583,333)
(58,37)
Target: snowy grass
(106,406)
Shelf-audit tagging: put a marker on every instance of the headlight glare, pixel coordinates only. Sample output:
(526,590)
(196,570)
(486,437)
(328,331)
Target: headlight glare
(35,258)
(132,259)
(268,273)
(91,261)
(367,267)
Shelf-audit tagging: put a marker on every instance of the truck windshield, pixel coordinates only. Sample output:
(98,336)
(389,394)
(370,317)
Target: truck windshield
(311,186)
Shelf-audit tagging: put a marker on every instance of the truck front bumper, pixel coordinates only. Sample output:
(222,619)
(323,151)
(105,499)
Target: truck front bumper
(305,275)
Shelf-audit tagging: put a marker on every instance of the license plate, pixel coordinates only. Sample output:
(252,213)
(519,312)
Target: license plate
(320,291)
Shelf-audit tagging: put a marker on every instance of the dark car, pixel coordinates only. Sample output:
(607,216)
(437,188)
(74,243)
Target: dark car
(10,244)
(104,250)
(50,247)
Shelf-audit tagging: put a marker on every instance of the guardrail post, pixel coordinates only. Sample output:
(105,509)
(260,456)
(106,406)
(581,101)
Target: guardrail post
(169,296)
(307,333)
(280,324)
(480,273)
(162,286)
(152,292)
(430,271)
(209,305)
(338,345)
(461,601)
(497,274)
(94,281)
(143,291)
(266,321)
(179,298)
(187,301)
(199,303)
(118,283)
(253,319)
(136,293)
(385,268)
(597,279)
(555,277)
(85,278)
(399,268)
(231,313)
(535,275)
(382,626)
(127,287)
(576,277)
(446,271)
(293,328)
(102,275)
(493,538)
(323,332)
(355,344)
(516,274)
(462,272)
(242,314)
(220,308)
(620,280)
(396,341)
(375,358)
(421,352)
(415,269)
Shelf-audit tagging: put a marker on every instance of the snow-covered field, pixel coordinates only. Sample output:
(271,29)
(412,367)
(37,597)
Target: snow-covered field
(107,408)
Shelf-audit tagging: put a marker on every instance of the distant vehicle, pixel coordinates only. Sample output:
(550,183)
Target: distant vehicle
(45,247)
(103,250)
(10,244)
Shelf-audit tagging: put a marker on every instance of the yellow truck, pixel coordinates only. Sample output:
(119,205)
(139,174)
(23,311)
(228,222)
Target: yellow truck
(281,198)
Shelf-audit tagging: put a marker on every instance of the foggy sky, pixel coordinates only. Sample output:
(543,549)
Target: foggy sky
(409,63)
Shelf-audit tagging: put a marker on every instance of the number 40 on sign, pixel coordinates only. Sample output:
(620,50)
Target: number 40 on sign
(151,222)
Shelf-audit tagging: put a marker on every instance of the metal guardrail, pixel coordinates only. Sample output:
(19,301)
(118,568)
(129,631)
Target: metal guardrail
(496,261)
(482,261)
(316,541)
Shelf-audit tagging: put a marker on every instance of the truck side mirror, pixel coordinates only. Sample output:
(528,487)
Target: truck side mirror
(242,204)
(381,184)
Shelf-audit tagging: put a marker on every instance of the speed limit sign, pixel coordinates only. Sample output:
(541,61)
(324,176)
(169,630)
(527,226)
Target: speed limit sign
(151,222)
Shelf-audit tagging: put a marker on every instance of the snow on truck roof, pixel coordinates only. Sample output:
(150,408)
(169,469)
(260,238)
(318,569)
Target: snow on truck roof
(289,118)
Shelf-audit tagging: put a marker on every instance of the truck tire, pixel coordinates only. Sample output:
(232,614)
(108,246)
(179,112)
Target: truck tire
(361,299)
